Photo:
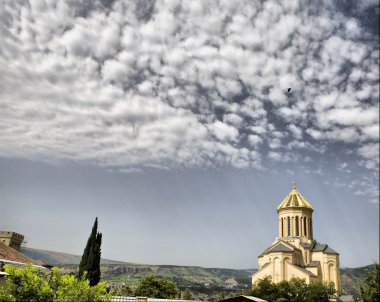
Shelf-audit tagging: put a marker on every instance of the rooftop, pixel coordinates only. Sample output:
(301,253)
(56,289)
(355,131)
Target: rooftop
(8,253)
(294,200)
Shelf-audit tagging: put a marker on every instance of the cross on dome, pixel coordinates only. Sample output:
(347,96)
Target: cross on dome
(294,184)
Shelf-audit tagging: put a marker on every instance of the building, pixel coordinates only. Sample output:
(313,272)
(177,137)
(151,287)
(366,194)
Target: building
(12,239)
(295,253)
(243,299)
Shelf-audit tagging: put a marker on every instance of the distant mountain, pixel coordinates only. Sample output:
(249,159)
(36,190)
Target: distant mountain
(57,258)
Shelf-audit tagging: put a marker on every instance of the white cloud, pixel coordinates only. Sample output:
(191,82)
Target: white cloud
(184,83)
(254,140)
(370,151)
(224,132)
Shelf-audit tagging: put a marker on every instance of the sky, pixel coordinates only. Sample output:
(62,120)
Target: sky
(171,122)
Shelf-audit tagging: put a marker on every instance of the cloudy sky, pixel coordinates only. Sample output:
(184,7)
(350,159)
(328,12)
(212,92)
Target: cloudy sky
(170,120)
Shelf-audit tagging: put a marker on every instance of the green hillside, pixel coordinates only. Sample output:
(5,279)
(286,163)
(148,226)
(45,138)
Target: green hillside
(204,283)
(56,258)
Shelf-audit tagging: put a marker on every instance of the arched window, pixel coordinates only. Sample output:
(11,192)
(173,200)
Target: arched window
(282,227)
(297,227)
(289,234)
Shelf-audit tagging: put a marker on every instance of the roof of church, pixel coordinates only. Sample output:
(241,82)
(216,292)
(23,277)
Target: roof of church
(281,247)
(324,248)
(8,253)
(305,271)
(313,264)
(294,200)
(306,244)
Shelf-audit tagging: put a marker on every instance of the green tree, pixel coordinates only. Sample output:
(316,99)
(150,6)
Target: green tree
(284,291)
(295,290)
(28,284)
(186,295)
(153,287)
(369,290)
(33,285)
(319,291)
(265,289)
(90,262)
(298,290)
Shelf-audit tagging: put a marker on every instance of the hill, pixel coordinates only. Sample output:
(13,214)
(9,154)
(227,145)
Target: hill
(58,258)
(204,282)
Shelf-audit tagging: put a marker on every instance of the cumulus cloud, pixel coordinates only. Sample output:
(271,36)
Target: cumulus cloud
(200,83)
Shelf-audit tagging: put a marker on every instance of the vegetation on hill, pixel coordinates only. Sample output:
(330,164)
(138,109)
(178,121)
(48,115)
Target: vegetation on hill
(57,258)
(352,278)
(204,283)
(369,289)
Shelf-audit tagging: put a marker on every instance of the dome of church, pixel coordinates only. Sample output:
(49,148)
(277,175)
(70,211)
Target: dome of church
(294,200)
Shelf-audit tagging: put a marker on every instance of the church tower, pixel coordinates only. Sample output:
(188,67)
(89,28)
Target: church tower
(295,217)
(295,253)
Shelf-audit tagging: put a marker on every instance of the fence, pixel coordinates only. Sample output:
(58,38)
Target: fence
(128,299)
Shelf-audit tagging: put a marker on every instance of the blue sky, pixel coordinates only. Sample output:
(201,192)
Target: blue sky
(172,123)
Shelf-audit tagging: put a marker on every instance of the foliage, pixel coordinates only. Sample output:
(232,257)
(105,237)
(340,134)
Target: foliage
(186,295)
(369,290)
(28,284)
(90,262)
(265,289)
(295,290)
(33,285)
(153,287)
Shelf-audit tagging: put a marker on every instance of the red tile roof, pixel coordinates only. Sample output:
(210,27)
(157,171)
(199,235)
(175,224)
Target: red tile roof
(11,254)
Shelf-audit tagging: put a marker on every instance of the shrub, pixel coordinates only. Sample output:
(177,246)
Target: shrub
(33,285)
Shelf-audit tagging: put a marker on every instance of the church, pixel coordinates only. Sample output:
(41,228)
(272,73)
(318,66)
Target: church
(295,253)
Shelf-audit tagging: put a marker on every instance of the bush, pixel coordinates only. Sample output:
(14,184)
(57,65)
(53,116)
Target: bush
(160,288)
(33,285)
(295,290)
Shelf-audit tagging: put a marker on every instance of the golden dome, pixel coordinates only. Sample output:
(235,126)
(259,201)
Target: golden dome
(294,200)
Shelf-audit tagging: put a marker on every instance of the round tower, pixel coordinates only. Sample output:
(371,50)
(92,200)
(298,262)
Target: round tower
(295,217)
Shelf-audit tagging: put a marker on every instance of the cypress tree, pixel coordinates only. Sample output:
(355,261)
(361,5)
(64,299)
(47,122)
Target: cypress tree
(90,261)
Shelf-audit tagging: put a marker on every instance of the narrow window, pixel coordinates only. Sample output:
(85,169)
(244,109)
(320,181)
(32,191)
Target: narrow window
(297,227)
(282,227)
(311,228)
(304,226)
(289,226)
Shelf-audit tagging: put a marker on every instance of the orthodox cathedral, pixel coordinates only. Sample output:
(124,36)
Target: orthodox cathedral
(295,253)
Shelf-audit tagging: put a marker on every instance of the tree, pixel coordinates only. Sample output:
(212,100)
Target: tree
(33,285)
(153,287)
(186,295)
(369,290)
(319,292)
(298,290)
(28,284)
(295,290)
(265,289)
(90,262)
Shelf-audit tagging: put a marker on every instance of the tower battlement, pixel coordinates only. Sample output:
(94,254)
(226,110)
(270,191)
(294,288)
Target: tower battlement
(11,239)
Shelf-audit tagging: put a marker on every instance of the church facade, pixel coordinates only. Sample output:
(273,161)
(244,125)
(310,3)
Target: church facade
(295,253)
